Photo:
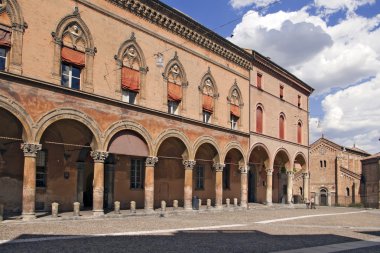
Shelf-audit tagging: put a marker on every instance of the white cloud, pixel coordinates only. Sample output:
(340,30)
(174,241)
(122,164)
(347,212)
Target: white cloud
(237,4)
(352,116)
(331,6)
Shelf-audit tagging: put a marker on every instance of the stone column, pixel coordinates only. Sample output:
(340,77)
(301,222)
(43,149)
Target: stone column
(269,186)
(29,184)
(244,186)
(110,175)
(219,185)
(329,198)
(188,186)
(98,185)
(149,183)
(80,181)
(289,190)
(306,177)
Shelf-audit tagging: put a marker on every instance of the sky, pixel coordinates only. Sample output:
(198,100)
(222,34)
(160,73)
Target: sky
(332,45)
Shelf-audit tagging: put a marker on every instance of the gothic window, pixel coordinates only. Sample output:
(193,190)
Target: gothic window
(235,107)
(226,177)
(208,94)
(174,86)
(3,58)
(130,77)
(137,174)
(282,127)
(259,120)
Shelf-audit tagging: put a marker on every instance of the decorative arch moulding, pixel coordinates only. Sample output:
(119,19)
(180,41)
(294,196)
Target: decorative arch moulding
(170,19)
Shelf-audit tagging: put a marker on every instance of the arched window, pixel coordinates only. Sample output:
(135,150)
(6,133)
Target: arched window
(131,61)
(208,94)
(282,127)
(174,89)
(235,106)
(12,27)
(347,192)
(74,53)
(259,120)
(299,133)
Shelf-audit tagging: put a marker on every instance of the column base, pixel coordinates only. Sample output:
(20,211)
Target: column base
(148,210)
(268,203)
(98,212)
(28,216)
(219,207)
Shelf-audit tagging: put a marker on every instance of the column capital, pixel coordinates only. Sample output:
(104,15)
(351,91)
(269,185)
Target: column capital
(269,171)
(189,164)
(290,173)
(219,167)
(244,169)
(99,156)
(30,149)
(151,161)
(305,175)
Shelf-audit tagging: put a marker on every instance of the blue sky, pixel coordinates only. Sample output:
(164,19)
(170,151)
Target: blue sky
(333,45)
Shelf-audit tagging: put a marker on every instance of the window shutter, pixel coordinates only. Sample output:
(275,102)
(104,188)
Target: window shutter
(282,127)
(259,120)
(72,56)
(235,110)
(5,38)
(130,79)
(259,79)
(174,92)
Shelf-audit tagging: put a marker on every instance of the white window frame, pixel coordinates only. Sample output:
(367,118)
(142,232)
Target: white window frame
(126,96)
(234,122)
(70,75)
(5,57)
(206,117)
(173,107)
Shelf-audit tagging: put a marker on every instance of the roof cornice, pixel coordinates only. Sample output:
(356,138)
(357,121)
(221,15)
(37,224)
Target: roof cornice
(170,19)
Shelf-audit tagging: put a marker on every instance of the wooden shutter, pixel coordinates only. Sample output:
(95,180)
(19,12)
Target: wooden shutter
(207,103)
(259,120)
(130,79)
(72,56)
(174,92)
(5,38)
(235,110)
(259,79)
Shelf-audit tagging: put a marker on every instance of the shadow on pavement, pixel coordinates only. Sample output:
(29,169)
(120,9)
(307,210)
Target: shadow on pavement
(182,241)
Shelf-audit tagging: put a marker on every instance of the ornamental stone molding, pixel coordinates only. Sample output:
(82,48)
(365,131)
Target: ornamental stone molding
(206,139)
(151,161)
(30,149)
(269,171)
(306,175)
(99,156)
(189,164)
(156,13)
(219,167)
(244,169)
(290,173)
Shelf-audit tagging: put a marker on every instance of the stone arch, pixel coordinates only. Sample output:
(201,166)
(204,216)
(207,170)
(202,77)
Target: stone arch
(135,61)
(127,125)
(230,98)
(262,145)
(173,133)
(70,114)
(13,10)
(206,140)
(89,49)
(206,76)
(286,153)
(235,104)
(19,112)
(234,145)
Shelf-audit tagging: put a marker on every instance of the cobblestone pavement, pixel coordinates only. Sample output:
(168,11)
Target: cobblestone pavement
(257,230)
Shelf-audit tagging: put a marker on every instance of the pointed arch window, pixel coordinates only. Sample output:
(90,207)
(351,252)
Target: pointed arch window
(208,91)
(259,120)
(174,86)
(299,133)
(130,75)
(235,110)
(282,127)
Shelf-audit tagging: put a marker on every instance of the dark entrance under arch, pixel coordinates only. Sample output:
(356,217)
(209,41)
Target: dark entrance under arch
(323,194)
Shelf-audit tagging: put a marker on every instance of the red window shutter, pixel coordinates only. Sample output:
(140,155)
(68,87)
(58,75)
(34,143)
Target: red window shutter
(259,79)
(299,133)
(235,110)
(5,38)
(130,79)
(282,127)
(72,56)
(174,92)
(207,103)
(299,101)
(259,120)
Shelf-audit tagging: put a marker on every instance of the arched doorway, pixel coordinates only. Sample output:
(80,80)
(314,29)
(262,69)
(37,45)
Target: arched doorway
(170,173)
(232,174)
(11,163)
(258,163)
(323,196)
(69,170)
(125,169)
(280,178)
(204,172)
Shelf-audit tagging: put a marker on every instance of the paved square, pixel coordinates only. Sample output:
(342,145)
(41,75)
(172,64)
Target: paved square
(256,230)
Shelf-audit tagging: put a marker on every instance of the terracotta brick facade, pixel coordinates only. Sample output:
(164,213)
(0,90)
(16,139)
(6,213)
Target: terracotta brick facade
(157,155)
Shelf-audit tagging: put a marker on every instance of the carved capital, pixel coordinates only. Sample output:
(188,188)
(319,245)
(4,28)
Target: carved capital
(30,149)
(306,175)
(244,169)
(269,171)
(289,172)
(151,161)
(99,156)
(189,165)
(219,167)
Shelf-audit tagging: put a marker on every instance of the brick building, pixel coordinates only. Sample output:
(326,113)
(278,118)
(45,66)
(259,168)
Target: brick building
(121,100)
(336,173)
(371,177)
